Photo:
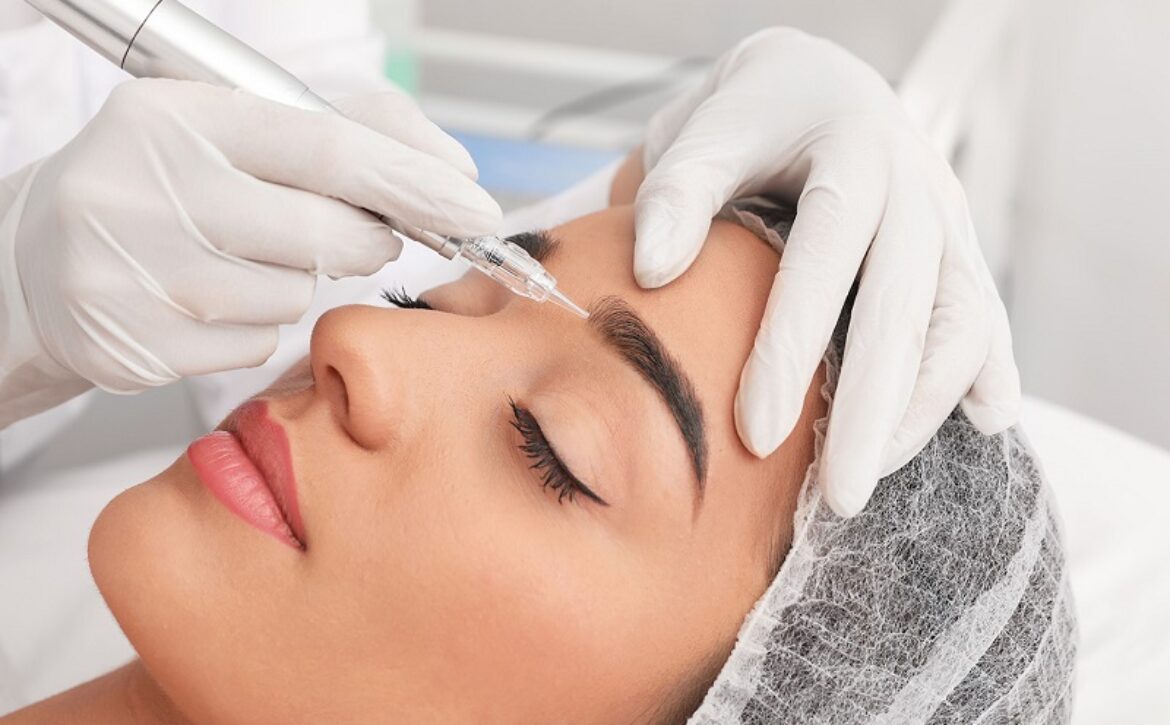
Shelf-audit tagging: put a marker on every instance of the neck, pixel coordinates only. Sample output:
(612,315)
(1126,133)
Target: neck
(126,696)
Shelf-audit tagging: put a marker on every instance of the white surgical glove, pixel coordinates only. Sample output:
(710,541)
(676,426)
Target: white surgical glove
(186,221)
(797,117)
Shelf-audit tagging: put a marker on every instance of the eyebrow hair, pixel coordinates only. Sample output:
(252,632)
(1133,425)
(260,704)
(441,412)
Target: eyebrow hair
(540,245)
(637,344)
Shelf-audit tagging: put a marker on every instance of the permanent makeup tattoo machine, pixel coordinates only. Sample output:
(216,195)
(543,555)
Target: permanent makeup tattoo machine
(166,39)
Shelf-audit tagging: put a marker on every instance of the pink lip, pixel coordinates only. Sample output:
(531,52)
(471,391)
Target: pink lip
(248,467)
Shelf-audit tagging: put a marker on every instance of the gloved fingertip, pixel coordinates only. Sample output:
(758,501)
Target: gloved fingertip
(918,426)
(471,213)
(660,254)
(399,116)
(847,497)
(762,422)
(458,156)
(393,248)
(759,442)
(850,467)
(487,220)
(651,273)
(264,341)
(847,478)
(467,167)
(365,259)
(898,456)
(991,418)
(993,402)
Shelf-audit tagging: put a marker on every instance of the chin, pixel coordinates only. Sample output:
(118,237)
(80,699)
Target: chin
(173,566)
(141,551)
(148,554)
(127,546)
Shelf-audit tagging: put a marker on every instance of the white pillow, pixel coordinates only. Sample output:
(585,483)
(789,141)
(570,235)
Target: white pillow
(1114,496)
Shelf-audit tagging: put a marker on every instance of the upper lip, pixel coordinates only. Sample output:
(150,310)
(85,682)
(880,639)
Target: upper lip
(267,444)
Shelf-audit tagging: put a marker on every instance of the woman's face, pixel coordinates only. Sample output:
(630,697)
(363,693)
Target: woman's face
(442,580)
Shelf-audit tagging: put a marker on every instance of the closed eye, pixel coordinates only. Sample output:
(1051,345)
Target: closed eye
(401,300)
(554,474)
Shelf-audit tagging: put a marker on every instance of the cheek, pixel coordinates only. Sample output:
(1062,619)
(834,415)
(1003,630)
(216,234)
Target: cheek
(478,588)
(447,575)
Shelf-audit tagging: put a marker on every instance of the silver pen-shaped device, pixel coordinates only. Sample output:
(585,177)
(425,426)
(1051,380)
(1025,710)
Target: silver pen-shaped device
(166,39)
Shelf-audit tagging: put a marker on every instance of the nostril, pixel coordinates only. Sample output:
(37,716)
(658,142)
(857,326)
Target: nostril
(354,371)
(334,386)
(357,416)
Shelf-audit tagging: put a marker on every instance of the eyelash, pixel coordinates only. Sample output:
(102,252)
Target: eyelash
(553,473)
(401,300)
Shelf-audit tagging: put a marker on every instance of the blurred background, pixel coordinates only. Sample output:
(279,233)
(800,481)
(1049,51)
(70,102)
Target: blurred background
(1055,114)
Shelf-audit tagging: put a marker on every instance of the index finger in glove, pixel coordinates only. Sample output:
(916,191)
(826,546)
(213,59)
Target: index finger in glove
(285,226)
(396,115)
(330,155)
(672,216)
(193,347)
(835,223)
(883,351)
(680,195)
(993,402)
(957,345)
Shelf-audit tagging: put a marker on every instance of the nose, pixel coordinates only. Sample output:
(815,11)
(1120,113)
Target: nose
(361,373)
(391,376)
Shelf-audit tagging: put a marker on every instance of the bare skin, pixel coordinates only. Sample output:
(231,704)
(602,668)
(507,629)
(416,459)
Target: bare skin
(442,582)
(126,696)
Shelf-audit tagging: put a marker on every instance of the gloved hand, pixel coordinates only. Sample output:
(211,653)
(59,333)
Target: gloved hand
(789,115)
(185,222)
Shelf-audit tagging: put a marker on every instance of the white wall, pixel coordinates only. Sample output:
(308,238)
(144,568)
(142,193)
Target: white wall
(1090,296)
(882,31)
(516,79)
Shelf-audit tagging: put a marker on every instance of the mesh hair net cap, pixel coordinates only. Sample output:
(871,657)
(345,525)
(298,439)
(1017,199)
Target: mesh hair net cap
(945,601)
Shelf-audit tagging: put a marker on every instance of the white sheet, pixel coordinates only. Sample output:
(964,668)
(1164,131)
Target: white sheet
(1114,491)
(1114,494)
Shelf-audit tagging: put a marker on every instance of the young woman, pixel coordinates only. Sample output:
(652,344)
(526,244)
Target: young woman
(472,509)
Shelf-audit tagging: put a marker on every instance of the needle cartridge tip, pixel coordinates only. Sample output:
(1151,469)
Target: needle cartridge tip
(559,298)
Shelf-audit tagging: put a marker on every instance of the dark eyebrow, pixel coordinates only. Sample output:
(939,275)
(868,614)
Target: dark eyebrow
(540,245)
(623,330)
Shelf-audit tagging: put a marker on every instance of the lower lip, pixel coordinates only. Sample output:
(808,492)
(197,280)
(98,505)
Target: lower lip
(232,477)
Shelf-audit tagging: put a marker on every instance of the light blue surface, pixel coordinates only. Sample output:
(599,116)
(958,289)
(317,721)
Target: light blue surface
(529,169)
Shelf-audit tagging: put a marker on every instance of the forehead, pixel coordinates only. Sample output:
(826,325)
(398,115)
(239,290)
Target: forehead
(597,251)
(707,319)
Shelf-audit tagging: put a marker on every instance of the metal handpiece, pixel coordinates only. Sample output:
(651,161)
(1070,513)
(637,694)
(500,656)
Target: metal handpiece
(166,39)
